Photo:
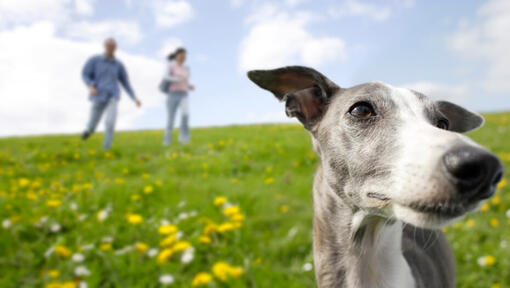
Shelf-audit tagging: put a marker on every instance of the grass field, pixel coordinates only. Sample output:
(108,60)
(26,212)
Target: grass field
(232,209)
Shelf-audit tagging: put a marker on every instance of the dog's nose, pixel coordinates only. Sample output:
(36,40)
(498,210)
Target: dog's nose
(474,171)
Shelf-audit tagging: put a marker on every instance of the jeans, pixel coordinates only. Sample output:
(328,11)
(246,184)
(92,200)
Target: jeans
(98,108)
(173,101)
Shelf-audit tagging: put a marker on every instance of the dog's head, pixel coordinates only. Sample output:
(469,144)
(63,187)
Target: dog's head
(389,151)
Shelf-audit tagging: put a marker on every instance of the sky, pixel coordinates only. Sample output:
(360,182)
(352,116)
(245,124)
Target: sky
(451,50)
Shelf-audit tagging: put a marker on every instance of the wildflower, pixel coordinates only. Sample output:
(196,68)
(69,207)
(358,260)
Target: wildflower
(183,216)
(496,285)
(167,229)
(220,200)
(227,226)
(106,246)
(231,210)
(269,180)
(54,273)
(166,279)
(148,189)
(223,270)
(284,209)
(134,219)
(102,215)
(6,223)
(168,241)
(135,197)
(164,255)
(200,279)
(81,271)
(470,223)
(73,206)
(78,257)
(494,222)
(307,267)
(488,260)
(141,247)
(152,252)
(23,182)
(204,239)
(55,228)
(188,255)
(62,251)
(53,203)
(123,250)
(181,246)
(485,207)
(503,183)
(496,200)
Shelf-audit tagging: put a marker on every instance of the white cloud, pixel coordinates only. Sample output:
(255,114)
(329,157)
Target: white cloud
(127,31)
(169,14)
(486,39)
(169,46)
(41,87)
(358,8)
(84,7)
(26,11)
(455,93)
(278,38)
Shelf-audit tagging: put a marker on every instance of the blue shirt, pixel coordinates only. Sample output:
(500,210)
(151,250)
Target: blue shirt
(104,74)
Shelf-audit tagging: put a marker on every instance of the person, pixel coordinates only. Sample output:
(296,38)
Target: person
(177,74)
(101,74)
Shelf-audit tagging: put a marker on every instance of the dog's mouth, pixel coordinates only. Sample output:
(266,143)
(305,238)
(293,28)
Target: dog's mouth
(441,209)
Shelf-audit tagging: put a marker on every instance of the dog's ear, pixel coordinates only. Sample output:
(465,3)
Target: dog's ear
(461,120)
(305,91)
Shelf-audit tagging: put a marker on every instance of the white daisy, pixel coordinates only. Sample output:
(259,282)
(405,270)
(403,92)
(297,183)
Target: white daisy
(6,223)
(152,252)
(307,267)
(81,271)
(188,255)
(102,215)
(78,257)
(166,279)
(55,227)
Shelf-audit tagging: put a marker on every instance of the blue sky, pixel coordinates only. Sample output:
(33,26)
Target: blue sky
(446,49)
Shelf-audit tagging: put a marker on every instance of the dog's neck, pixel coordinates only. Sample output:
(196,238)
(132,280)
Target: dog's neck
(353,248)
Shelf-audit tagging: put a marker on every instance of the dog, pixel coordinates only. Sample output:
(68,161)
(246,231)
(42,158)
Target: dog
(393,169)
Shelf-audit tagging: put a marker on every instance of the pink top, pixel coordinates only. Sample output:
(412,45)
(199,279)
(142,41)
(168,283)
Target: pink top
(179,76)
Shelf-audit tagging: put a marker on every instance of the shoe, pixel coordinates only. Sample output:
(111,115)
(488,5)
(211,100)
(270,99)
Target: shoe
(85,135)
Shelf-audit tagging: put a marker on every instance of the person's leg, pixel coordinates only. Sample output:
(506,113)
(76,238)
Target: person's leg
(111,117)
(96,111)
(172,102)
(184,130)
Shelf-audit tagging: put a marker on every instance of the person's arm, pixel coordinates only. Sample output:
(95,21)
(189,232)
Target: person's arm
(87,74)
(124,81)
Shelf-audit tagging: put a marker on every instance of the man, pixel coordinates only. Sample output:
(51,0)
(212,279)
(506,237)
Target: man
(101,74)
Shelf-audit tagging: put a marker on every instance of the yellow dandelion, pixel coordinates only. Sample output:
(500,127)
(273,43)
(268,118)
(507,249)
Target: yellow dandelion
(503,183)
(485,207)
(106,246)
(236,272)
(470,223)
(23,182)
(167,229)
(494,222)
(168,241)
(210,228)
(269,180)
(284,209)
(204,239)
(135,197)
(487,260)
(200,279)
(496,200)
(238,217)
(231,210)
(54,273)
(62,251)
(141,247)
(181,246)
(53,203)
(220,200)
(220,271)
(148,189)
(134,219)
(164,255)
(227,226)
(496,285)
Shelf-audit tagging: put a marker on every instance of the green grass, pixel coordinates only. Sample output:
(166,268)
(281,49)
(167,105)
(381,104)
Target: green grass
(267,170)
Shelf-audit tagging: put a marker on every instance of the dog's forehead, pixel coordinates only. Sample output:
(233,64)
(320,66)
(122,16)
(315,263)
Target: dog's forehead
(402,98)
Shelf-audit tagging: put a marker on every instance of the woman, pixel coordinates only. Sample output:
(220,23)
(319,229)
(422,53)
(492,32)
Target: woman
(178,76)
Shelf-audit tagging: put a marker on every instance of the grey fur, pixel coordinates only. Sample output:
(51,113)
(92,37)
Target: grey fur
(358,183)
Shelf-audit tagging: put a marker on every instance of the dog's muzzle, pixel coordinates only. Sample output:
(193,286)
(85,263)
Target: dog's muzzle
(473,171)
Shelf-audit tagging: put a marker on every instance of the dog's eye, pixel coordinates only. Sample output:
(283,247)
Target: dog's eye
(443,124)
(362,110)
